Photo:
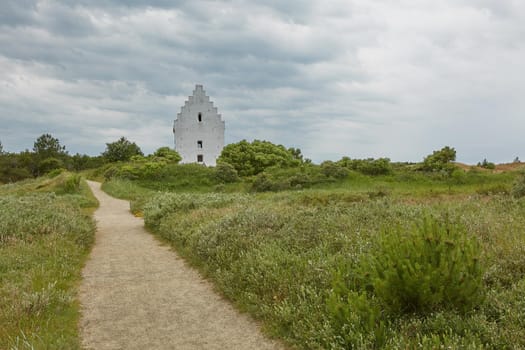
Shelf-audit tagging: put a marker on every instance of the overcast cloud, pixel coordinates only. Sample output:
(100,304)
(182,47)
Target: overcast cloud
(361,78)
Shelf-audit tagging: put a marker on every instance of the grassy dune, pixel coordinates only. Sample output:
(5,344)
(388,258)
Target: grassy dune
(374,263)
(45,235)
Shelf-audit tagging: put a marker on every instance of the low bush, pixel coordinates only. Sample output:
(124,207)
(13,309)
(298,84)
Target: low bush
(430,267)
(370,166)
(333,170)
(226,173)
(281,179)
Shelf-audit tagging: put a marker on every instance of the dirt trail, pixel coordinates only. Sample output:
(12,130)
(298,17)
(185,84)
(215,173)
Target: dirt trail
(138,294)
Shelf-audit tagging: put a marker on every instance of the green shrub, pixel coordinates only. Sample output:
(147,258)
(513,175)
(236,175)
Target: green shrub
(252,158)
(226,173)
(71,184)
(50,164)
(356,317)
(167,154)
(333,170)
(431,266)
(280,179)
(55,173)
(370,166)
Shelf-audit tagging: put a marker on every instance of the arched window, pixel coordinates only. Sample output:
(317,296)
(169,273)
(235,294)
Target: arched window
(199,117)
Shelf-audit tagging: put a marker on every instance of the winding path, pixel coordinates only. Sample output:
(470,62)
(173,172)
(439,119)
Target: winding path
(138,294)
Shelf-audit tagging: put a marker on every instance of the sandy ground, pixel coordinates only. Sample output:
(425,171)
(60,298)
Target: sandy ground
(138,294)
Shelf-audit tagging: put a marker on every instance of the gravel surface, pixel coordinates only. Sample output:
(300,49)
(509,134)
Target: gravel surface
(138,294)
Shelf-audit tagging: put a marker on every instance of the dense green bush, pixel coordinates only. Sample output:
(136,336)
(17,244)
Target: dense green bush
(49,164)
(370,166)
(440,161)
(333,170)
(167,154)
(252,158)
(226,173)
(121,150)
(430,267)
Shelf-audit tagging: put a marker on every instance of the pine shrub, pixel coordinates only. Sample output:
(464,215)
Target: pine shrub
(432,266)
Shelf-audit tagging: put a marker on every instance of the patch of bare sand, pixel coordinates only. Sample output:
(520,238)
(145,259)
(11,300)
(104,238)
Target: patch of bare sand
(138,294)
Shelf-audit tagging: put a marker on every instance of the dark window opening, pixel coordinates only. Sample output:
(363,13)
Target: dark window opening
(200,158)
(199,144)
(200,117)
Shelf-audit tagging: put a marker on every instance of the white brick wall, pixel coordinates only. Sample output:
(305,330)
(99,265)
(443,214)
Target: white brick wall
(188,130)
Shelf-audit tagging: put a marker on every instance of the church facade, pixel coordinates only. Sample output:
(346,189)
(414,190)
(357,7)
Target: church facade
(199,130)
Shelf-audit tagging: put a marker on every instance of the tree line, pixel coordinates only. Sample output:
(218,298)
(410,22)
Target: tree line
(243,158)
(49,154)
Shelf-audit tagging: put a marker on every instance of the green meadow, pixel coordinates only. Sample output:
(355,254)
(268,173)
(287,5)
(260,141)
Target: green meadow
(403,260)
(353,254)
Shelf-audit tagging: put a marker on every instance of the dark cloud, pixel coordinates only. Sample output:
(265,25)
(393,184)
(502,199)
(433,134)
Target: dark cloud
(358,78)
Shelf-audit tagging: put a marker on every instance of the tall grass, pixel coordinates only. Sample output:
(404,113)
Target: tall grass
(282,256)
(45,236)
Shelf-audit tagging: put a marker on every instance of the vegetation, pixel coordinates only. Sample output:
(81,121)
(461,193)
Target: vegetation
(440,160)
(45,235)
(358,253)
(47,155)
(253,158)
(121,150)
(487,165)
(404,260)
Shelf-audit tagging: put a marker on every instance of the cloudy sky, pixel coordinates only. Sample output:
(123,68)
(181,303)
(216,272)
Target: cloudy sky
(361,78)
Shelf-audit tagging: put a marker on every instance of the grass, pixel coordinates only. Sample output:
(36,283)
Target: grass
(297,260)
(45,235)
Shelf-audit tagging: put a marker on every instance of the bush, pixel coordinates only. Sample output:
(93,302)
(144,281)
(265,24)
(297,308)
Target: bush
(167,154)
(50,164)
(430,267)
(370,166)
(71,184)
(355,317)
(280,179)
(253,158)
(333,170)
(440,161)
(226,173)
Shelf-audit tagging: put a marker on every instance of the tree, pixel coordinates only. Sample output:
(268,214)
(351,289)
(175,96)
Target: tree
(440,160)
(121,150)
(252,158)
(1,148)
(46,146)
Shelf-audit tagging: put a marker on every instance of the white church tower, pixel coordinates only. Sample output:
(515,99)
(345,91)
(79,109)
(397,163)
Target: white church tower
(199,130)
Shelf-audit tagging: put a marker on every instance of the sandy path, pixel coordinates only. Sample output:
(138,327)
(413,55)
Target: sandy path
(137,294)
